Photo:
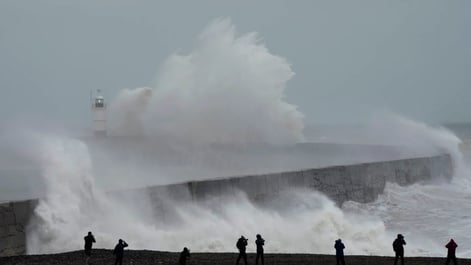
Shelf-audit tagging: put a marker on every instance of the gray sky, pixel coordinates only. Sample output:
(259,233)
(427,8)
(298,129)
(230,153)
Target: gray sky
(351,58)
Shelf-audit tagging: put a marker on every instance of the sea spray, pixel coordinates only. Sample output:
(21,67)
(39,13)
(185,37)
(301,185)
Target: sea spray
(229,89)
(73,206)
(66,170)
(128,111)
(429,215)
(417,138)
(296,221)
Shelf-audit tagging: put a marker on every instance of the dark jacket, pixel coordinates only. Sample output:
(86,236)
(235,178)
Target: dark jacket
(260,242)
(241,244)
(89,240)
(339,246)
(451,246)
(119,248)
(398,245)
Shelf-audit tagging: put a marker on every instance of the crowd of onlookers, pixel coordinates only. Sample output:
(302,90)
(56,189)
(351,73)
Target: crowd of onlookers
(242,242)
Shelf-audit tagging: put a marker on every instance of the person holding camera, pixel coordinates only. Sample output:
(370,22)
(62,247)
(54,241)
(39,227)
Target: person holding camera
(89,240)
(119,252)
(339,247)
(398,246)
(241,246)
(259,242)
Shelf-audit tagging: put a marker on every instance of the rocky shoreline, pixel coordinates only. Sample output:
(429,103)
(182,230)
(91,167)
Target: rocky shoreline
(147,257)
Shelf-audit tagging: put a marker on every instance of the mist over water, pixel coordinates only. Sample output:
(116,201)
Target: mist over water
(230,90)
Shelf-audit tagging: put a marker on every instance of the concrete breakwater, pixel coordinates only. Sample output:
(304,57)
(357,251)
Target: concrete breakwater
(359,182)
(14,218)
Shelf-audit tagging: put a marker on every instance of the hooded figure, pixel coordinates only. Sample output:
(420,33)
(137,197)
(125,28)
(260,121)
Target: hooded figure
(241,245)
(451,256)
(259,242)
(184,255)
(339,246)
(398,246)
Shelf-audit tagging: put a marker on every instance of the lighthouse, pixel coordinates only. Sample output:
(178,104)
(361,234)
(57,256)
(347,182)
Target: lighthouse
(99,115)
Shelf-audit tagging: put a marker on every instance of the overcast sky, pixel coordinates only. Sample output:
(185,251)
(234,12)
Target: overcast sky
(351,58)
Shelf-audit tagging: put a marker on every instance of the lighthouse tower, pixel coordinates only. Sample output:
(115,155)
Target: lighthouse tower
(99,115)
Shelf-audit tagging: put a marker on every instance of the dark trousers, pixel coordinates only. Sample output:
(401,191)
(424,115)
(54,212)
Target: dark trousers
(119,260)
(259,255)
(340,260)
(399,255)
(242,255)
(451,258)
(182,261)
(88,253)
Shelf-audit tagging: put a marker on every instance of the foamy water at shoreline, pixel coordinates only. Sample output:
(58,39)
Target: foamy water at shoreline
(366,228)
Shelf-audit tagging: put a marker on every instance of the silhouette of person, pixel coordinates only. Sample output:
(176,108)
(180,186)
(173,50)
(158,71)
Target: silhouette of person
(398,246)
(259,242)
(339,246)
(89,240)
(184,255)
(119,252)
(451,256)
(241,245)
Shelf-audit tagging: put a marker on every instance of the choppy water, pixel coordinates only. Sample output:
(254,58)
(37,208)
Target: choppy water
(429,215)
(299,221)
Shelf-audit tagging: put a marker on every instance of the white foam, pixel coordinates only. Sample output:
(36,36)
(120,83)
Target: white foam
(428,215)
(228,89)
(297,221)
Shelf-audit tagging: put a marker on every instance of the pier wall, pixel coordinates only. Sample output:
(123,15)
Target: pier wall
(359,182)
(14,218)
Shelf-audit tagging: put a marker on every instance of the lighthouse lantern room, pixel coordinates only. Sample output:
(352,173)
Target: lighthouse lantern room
(99,115)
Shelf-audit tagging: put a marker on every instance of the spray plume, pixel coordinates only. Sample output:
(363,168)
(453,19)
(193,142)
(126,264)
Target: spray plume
(229,89)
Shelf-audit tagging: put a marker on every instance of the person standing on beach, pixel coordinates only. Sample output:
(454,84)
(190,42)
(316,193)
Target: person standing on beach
(398,246)
(339,246)
(119,252)
(451,256)
(241,246)
(89,240)
(259,242)
(184,255)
